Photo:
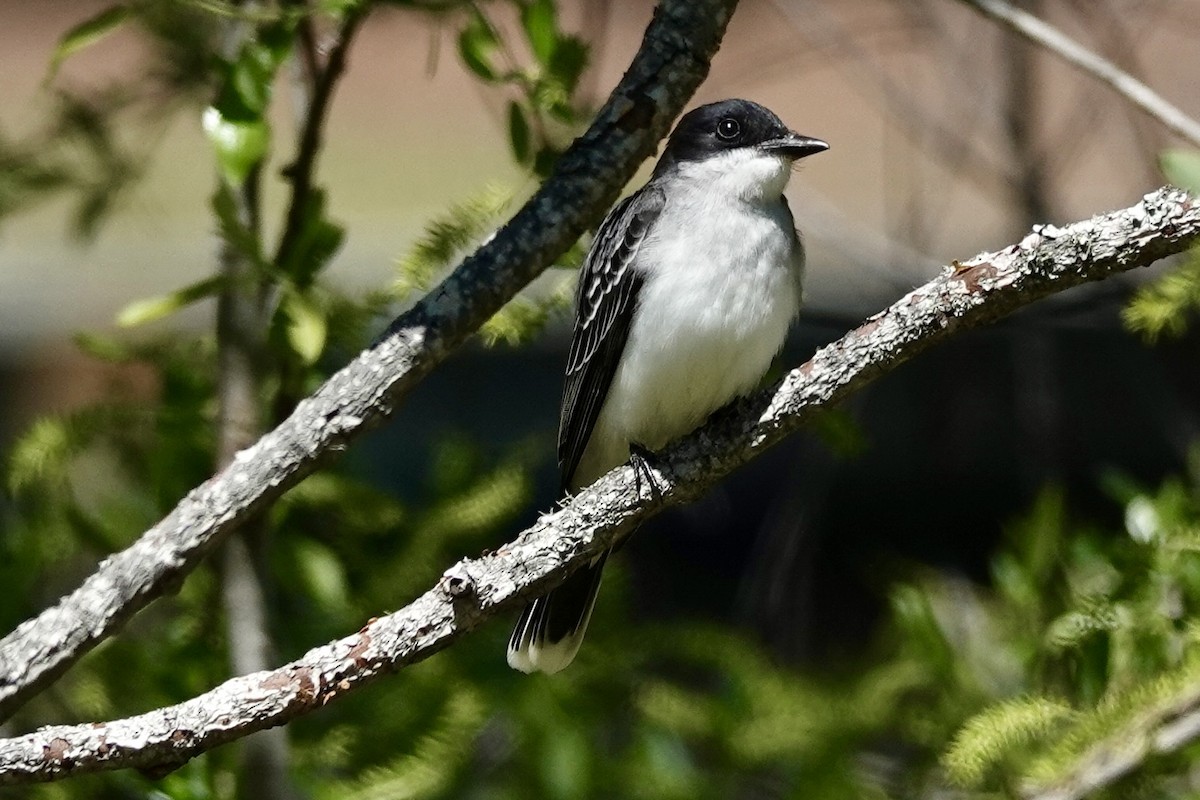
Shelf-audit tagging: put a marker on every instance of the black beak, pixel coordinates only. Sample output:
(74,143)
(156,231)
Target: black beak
(794,145)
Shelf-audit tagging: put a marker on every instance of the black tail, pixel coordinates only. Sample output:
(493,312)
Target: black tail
(551,628)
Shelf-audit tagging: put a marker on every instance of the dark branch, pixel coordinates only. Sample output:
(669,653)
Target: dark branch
(473,591)
(300,171)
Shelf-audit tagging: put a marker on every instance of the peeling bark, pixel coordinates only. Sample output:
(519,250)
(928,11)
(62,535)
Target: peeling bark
(967,295)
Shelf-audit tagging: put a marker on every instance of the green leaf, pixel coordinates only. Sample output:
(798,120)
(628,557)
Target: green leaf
(318,241)
(236,123)
(338,9)
(87,33)
(476,45)
(306,326)
(250,91)
(104,348)
(1182,168)
(139,312)
(541,29)
(544,160)
(518,132)
(1072,629)
(239,145)
(43,449)
(248,79)
(569,60)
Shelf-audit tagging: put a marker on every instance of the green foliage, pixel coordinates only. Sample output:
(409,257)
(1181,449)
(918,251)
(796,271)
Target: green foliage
(318,242)
(86,33)
(478,45)
(524,316)
(543,112)
(43,453)
(543,116)
(305,325)
(1164,307)
(1182,168)
(1107,657)
(150,309)
(446,238)
(77,154)
(999,732)
(429,770)
(92,144)
(462,227)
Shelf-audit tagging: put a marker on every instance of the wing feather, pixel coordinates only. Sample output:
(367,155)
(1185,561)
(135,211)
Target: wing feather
(604,304)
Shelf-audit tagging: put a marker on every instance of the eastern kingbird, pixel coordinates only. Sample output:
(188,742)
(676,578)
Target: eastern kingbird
(684,299)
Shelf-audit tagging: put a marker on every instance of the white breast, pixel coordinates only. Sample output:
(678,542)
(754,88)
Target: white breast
(713,311)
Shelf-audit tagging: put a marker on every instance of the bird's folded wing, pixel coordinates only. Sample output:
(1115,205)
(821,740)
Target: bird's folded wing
(605,302)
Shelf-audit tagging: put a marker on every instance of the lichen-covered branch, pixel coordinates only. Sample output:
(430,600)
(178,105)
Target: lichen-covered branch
(671,63)
(967,295)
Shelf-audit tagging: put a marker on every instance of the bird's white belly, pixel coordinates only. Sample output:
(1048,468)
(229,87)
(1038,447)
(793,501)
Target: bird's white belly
(711,316)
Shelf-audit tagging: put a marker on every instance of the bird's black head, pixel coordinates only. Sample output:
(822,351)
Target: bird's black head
(732,124)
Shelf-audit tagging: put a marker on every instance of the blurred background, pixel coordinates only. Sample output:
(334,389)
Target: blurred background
(1000,519)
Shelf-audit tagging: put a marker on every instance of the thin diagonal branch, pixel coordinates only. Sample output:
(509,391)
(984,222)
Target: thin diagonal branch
(1066,48)
(671,63)
(473,591)
(300,171)
(954,142)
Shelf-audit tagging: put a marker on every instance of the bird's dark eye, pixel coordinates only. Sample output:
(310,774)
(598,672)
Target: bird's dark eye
(728,129)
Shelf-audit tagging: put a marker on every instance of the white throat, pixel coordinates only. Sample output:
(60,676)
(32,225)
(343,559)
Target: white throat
(745,174)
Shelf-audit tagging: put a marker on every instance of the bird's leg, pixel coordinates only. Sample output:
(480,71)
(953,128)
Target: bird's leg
(642,460)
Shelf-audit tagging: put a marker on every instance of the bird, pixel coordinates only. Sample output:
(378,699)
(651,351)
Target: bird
(684,299)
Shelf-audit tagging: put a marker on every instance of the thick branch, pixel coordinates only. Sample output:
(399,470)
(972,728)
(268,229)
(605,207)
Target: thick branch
(1069,50)
(965,296)
(670,64)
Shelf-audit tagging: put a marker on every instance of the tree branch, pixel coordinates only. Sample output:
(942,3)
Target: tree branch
(300,171)
(1066,48)
(671,63)
(965,296)
(955,141)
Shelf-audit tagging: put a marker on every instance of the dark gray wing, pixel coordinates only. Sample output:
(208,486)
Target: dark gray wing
(604,304)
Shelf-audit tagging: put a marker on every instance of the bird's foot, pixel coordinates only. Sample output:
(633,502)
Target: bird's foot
(642,460)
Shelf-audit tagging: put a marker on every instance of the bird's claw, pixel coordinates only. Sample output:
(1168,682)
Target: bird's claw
(642,460)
